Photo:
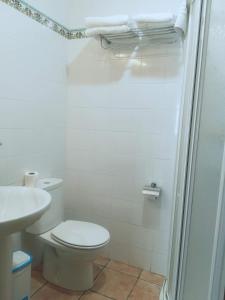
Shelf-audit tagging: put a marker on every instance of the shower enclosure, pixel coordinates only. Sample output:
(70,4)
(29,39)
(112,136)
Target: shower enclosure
(197,256)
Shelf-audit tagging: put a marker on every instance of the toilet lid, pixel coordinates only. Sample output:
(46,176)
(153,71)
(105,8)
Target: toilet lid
(80,234)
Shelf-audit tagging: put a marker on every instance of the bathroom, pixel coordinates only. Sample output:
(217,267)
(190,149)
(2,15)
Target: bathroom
(113,123)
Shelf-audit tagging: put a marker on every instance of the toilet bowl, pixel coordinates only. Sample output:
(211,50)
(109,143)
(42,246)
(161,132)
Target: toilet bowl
(70,246)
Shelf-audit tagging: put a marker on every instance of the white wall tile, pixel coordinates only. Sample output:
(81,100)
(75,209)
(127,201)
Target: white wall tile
(122,134)
(32,98)
(119,252)
(139,257)
(159,262)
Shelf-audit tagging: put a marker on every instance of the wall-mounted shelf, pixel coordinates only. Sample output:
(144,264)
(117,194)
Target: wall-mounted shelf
(167,35)
(140,36)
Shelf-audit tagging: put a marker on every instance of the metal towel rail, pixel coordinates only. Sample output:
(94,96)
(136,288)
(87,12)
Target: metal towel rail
(141,35)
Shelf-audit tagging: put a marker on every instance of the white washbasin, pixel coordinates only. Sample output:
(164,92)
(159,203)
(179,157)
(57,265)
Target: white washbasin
(20,207)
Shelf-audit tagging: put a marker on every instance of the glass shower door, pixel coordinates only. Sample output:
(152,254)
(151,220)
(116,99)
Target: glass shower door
(205,245)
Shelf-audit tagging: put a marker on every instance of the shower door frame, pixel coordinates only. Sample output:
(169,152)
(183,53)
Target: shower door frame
(187,117)
(217,275)
(197,98)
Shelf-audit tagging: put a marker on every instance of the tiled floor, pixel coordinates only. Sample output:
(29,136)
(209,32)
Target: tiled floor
(113,280)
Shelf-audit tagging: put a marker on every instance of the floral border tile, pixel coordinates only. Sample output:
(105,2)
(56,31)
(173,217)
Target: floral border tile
(41,18)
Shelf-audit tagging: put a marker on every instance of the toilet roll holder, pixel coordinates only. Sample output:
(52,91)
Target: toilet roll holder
(152,191)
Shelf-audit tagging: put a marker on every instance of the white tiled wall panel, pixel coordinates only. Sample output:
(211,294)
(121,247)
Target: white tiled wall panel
(32,99)
(122,117)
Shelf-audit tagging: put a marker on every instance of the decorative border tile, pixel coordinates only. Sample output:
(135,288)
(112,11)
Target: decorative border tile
(41,18)
(78,34)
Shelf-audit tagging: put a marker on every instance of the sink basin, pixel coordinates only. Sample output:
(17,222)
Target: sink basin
(19,208)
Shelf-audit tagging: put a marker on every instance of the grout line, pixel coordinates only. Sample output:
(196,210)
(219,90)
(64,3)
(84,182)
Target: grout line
(44,284)
(103,295)
(132,288)
(101,270)
(152,283)
(138,278)
(91,289)
(110,260)
(106,267)
(121,272)
(81,295)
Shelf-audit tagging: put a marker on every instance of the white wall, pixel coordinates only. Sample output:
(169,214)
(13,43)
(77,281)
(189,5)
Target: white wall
(32,98)
(121,134)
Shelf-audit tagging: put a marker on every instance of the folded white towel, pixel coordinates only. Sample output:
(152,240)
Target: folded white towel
(92,32)
(116,20)
(167,18)
(182,17)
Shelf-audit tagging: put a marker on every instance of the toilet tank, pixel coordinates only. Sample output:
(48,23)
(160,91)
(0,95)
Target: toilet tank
(54,215)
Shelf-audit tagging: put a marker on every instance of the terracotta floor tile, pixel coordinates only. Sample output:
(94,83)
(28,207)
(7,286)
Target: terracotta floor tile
(97,270)
(122,267)
(93,296)
(37,281)
(145,291)
(117,281)
(152,278)
(101,260)
(51,292)
(114,284)
(37,268)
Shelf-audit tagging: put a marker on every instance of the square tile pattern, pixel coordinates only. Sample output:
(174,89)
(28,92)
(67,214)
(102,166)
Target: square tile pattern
(113,280)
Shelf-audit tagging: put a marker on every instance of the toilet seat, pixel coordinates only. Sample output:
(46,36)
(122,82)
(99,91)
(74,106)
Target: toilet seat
(80,235)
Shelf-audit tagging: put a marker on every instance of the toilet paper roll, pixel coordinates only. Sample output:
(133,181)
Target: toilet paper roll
(151,193)
(31,178)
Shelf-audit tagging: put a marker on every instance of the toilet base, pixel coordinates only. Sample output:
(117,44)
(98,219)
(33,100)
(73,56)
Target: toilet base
(67,270)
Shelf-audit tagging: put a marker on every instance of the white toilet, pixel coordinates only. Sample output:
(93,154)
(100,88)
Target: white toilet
(70,246)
